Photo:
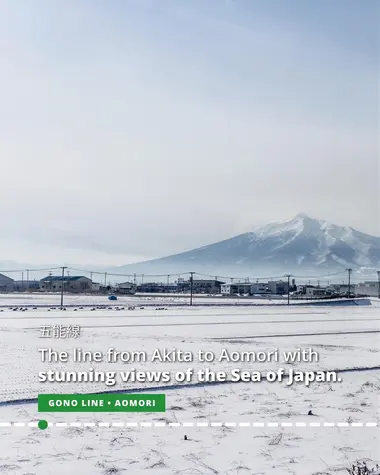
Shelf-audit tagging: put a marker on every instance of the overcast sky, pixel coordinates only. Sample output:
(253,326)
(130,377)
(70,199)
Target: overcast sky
(141,128)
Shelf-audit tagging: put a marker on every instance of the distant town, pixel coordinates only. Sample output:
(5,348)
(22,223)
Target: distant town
(80,284)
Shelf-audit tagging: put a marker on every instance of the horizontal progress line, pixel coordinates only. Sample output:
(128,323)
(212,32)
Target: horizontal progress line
(191,424)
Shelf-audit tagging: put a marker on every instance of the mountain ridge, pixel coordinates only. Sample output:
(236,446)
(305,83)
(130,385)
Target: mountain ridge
(299,246)
(302,243)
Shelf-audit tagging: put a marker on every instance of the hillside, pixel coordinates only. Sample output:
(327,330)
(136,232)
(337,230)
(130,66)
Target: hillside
(300,246)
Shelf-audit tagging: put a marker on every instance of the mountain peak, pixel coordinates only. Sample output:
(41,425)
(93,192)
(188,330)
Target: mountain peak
(306,243)
(302,216)
(296,223)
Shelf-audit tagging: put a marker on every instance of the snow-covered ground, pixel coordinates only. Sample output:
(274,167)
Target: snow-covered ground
(54,299)
(234,428)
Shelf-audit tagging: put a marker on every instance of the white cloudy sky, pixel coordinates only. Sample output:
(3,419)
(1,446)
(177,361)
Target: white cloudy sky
(135,129)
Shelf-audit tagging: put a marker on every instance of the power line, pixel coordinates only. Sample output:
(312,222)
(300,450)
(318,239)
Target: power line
(116,274)
(176,274)
(30,270)
(275,277)
(319,276)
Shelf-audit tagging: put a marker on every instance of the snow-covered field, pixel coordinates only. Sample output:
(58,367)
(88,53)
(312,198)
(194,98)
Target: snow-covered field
(54,299)
(234,428)
(138,299)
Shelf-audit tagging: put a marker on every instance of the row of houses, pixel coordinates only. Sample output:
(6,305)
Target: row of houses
(54,283)
(204,286)
(75,284)
(82,284)
(201,286)
(367,289)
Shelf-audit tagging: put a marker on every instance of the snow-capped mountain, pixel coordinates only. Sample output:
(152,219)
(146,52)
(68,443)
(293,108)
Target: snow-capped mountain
(301,245)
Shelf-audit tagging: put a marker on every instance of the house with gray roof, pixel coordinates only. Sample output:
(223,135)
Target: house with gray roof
(70,283)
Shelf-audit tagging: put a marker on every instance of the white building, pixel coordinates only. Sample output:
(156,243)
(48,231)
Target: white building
(260,288)
(235,289)
(344,288)
(370,288)
(278,287)
(316,292)
(126,288)
(6,283)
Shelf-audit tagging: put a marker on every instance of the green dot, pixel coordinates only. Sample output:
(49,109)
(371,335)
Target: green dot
(43,425)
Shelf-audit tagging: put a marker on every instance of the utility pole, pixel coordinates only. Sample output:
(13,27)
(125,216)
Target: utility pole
(142,279)
(288,276)
(167,282)
(22,281)
(105,279)
(378,283)
(27,275)
(62,283)
(134,279)
(349,282)
(191,287)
